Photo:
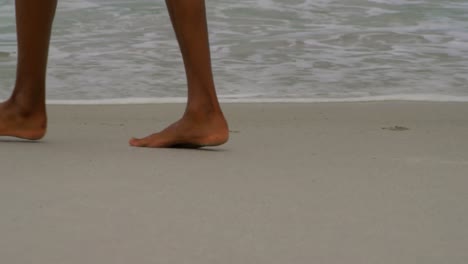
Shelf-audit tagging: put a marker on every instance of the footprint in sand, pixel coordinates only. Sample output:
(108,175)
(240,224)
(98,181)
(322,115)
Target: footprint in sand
(396,128)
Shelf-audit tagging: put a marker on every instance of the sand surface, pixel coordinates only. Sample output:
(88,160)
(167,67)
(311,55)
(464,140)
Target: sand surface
(319,183)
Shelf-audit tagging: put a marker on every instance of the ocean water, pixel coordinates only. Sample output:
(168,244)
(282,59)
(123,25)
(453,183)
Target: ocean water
(261,50)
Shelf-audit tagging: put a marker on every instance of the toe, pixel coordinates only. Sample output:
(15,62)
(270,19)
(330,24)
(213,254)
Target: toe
(136,142)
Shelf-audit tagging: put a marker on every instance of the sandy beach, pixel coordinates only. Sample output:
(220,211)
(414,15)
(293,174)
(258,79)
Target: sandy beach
(354,183)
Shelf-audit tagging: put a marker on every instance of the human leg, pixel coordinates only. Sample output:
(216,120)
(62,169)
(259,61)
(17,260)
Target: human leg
(203,123)
(23,115)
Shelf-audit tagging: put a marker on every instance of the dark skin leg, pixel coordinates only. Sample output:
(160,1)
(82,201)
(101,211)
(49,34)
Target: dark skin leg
(24,114)
(203,123)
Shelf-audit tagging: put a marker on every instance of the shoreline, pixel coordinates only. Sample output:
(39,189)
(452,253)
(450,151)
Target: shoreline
(246,99)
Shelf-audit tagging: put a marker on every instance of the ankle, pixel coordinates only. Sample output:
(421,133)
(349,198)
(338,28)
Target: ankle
(203,113)
(203,107)
(29,94)
(27,108)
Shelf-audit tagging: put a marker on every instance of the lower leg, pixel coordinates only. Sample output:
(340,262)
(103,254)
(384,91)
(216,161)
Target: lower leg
(203,122)
(190,25)
(24,114)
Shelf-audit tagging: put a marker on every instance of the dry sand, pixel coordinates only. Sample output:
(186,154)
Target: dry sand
(319,183)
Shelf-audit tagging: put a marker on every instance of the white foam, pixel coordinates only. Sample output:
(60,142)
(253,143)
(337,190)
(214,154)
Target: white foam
(397,2)
(375,11)
(75,5)
(168,100)
(275,48)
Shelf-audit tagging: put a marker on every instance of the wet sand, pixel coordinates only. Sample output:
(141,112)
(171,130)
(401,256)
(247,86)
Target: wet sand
(381,182)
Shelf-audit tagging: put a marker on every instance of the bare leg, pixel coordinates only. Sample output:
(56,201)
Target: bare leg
(24,114)
(203,123)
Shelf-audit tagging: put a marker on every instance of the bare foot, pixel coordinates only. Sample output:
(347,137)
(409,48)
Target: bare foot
(17,122)
(188,132)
